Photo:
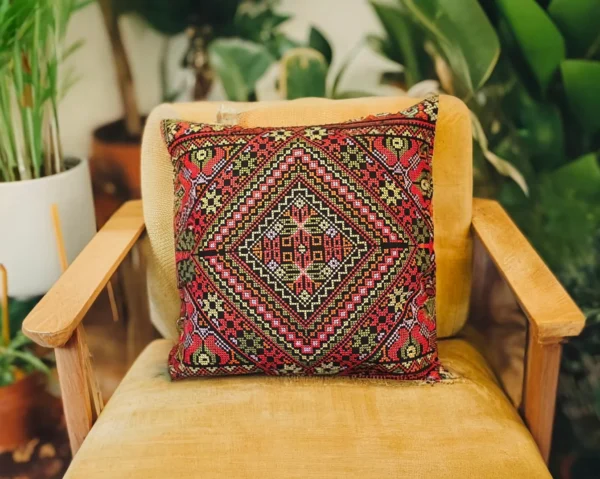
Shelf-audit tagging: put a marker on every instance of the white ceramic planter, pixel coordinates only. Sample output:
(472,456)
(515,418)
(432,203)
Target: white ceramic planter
(27,242)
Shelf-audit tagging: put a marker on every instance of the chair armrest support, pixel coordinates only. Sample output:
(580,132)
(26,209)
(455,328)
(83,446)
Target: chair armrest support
(551,312)
(54,319)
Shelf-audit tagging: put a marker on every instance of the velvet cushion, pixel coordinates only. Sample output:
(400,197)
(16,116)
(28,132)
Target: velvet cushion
(452,199)
(265,427)
(306,250)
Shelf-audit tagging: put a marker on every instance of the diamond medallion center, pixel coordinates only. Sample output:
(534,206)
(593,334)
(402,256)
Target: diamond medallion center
(303,249)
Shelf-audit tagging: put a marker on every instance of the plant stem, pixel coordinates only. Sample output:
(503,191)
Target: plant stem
(55,132)
(24,168)
(133,121)
(7,132)
(56,85)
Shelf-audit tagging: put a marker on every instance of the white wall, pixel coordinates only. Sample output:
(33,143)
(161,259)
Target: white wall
(95,100)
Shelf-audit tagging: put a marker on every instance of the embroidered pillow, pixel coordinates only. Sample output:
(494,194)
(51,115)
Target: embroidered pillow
(306,250)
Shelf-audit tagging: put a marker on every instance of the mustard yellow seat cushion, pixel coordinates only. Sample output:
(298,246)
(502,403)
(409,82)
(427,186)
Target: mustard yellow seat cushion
(262,427)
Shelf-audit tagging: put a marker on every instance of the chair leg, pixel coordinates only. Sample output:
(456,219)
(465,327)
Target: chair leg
(75,388)
(541,381)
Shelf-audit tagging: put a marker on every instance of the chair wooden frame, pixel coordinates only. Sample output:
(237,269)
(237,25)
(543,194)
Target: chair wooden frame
(552,315)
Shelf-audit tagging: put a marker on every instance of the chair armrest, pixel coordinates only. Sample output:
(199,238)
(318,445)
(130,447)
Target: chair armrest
(549,309)
(53,320)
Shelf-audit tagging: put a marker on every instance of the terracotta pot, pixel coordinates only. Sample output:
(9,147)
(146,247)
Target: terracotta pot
(18,404)
(115,167)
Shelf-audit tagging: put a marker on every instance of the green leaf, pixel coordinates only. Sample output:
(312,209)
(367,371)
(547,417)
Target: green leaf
(6,377)
(579,21)
(28,359)
(537,39)
(18,341)
(402,38)
(303,74)
(382,46)
(464,35)
(174,16)
(280,44)
(582,176)
(502,166)
(318,41)
(18,309)
(239,64)
(544,132)
(582,80)
(256,21)
(392,78)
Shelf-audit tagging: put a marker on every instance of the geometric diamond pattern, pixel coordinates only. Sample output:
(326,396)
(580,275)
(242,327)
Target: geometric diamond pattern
(306,250)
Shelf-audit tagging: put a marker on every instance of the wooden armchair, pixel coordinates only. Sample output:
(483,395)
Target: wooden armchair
(313,427)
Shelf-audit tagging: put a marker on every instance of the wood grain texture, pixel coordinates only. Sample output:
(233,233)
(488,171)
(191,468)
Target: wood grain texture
(541,381)
(74,388)
(57,315)
(551,312)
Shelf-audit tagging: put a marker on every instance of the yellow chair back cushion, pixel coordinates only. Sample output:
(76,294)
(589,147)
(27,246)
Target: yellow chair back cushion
(452,197)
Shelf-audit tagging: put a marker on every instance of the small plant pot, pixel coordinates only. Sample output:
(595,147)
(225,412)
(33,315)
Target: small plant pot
(115,165)
(28,247)
(19,403)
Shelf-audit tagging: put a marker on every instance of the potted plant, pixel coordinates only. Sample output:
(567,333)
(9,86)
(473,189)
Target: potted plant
(34,173)
(232,40)
(22,380)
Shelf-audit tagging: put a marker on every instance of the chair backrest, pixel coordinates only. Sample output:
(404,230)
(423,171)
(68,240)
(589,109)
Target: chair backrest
(452,197)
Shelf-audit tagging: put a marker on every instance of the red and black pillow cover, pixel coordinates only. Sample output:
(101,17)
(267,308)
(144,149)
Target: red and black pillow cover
(306,250)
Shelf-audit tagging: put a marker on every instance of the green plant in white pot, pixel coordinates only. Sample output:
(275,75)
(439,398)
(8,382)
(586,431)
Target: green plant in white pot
(34,173)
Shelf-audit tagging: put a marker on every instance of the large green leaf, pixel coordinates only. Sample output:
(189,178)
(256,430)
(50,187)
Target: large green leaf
(465,37)
(582,83)
(579,21)
(562,216)
(568,201)
(303,74)
(256,21)
(173,16)
(582,176)
(537,39)
(403,39)
(239,64)
(318,41)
